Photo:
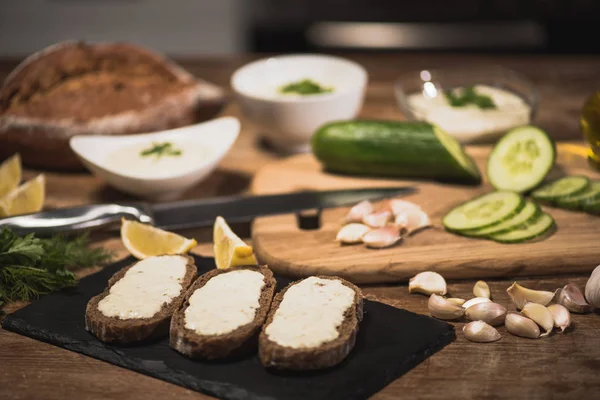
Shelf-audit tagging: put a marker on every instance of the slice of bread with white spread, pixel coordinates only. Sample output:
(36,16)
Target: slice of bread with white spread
(312,324)
(140,299)
(223,312)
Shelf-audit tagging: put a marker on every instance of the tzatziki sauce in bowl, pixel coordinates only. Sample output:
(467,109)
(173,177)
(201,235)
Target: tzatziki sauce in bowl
(159,165)
(473,105)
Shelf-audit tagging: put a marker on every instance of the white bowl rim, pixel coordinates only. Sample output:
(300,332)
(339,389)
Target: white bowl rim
(216,157)
(301,99)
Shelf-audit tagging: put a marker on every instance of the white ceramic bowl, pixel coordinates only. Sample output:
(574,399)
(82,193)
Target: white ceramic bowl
(214,138)
(289,121)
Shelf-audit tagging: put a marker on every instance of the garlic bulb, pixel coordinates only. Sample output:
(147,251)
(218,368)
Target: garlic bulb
(592,288)
(427,282)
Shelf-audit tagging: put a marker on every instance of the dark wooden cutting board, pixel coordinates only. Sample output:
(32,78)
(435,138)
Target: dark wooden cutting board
(287,249)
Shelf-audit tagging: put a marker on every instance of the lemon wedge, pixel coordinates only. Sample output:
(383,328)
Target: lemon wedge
(145,241)
(10,174)
(27,198)
(229,249)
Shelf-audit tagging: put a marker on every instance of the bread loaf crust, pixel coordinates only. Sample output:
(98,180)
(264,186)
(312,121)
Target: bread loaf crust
(309,358)
(43,140)
(123,331)
(241,340)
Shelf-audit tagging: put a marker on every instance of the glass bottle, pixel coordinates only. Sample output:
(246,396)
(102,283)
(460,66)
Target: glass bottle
(590,125)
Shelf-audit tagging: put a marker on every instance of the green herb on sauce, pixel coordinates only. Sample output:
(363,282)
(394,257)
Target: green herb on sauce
(161,150)
(305,87)
(468,96)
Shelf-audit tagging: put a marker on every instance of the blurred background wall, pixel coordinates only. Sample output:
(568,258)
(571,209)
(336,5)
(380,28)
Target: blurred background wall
(192,27)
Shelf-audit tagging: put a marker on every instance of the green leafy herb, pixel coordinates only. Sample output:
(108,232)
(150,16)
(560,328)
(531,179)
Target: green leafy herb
(467,96)
(305,87)
(30,267)
(160,150)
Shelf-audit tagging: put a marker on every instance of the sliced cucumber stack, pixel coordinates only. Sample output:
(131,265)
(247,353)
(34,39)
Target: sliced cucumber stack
(484,211)
(527,214)
(521,159)
(538,227)
(501,216)
(561,188)
(581,200)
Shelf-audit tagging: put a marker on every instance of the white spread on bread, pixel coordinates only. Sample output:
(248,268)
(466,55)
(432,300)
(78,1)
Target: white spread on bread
(226,302)
(145,287)
(310,313)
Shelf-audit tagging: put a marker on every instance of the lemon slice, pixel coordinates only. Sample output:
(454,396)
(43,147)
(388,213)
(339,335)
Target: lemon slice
(145,241)
(27,198)
(10,174)
(229,249)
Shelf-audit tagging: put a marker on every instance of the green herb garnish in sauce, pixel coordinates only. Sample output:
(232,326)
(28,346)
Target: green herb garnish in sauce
(160,150)
(304,87)
(468,96)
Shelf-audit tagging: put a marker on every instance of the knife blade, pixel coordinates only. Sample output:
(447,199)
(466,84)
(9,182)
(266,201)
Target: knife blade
(192,213)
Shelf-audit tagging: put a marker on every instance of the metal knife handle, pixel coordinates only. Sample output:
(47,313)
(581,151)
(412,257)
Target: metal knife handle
(76,218)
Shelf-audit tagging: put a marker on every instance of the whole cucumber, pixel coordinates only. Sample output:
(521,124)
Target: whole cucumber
(393,149)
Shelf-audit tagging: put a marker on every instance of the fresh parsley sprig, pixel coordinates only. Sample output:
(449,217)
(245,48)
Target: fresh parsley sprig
(30,266)
(160,150)
(467,96)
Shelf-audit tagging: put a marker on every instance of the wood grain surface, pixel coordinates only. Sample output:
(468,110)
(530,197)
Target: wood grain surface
(573,248)
(560,366)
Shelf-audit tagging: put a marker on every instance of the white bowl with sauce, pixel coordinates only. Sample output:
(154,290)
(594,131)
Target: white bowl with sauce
(423,95)
(288,120)
(159,165)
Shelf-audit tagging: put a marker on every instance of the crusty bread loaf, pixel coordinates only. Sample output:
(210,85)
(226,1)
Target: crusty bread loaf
(73,88)
(236,342)
(115,330)
(325,355)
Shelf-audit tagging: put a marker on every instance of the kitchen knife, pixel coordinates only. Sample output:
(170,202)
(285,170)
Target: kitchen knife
(191,213)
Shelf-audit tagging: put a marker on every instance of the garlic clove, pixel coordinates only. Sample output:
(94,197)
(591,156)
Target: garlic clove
(490,313)
(540,315)
(427,282)
(382,237)
(572,298)
(521,295)
(562,316)
(480,332)
(475,300)
(481,289)
(377,219)
(441,308)
(522,326)
(398,206)
(412,221)
(352,233)
(456,300)
(592,288)
(357,212)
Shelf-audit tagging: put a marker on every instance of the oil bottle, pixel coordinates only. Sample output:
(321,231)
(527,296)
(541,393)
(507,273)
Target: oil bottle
(590,125)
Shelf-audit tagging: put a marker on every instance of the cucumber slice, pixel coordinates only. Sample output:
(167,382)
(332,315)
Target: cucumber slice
(579,201)
(484,211)
(536,228)
(527,214)
(591,207)
(567,186)
(521,159)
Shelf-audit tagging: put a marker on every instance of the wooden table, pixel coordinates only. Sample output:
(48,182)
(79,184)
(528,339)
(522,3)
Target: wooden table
(560,366)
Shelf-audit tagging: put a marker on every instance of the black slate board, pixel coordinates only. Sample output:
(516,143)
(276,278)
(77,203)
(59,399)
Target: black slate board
(390,342)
